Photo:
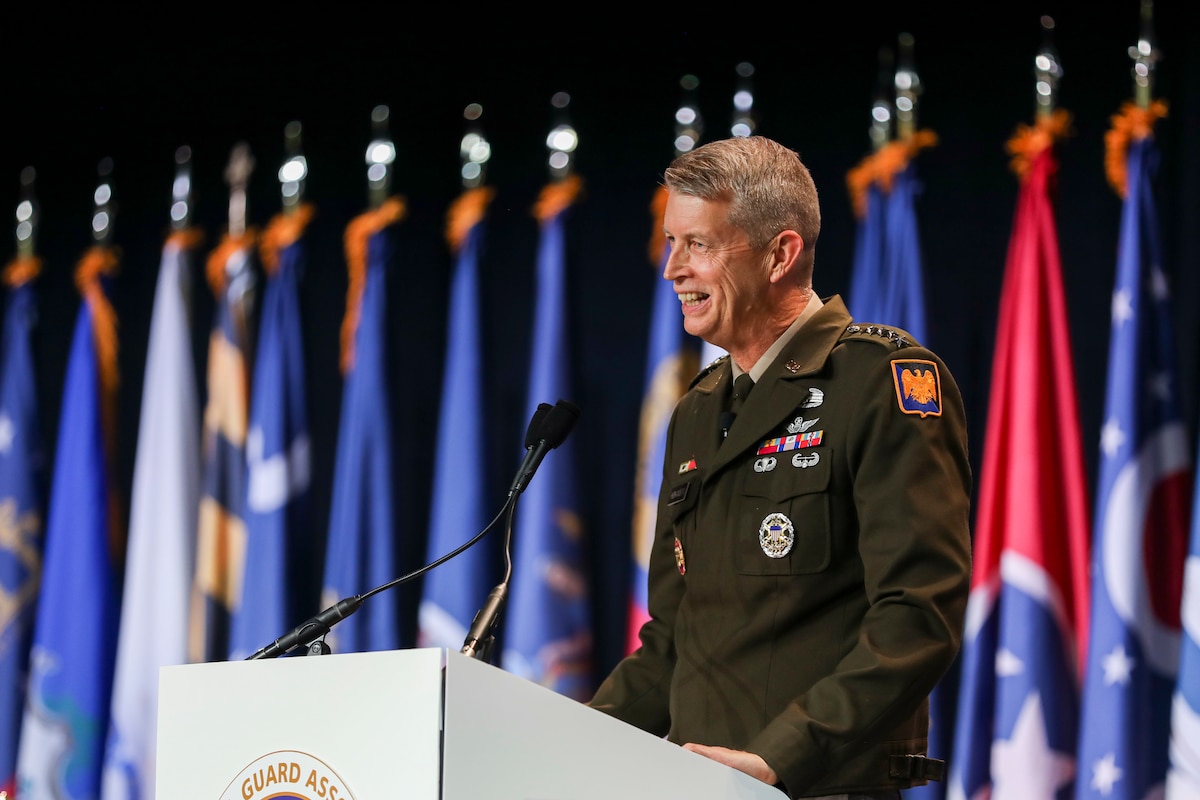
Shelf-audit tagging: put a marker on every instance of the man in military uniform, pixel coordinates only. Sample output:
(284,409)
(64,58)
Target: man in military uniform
(811,563)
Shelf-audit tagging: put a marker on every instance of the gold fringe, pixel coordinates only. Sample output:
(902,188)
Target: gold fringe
(1131,123)
(1030,140)
(465,213)
(284,229)
(355,239)
(556,197)
(219,257)
(658,239)
(21,270)
(881,167)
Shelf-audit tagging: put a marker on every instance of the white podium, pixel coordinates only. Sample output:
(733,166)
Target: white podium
(423,724)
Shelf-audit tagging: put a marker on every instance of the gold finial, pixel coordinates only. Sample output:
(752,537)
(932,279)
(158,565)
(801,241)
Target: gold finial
(1145,55)
(381,152)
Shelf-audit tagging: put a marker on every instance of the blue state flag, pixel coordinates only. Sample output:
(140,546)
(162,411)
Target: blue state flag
(1144,497)
(280,586)
(867,276)
(360,552)
(74,644)
(221,527)
(162,532)
(903,271)
(454,591)
(548,638)
(22,506)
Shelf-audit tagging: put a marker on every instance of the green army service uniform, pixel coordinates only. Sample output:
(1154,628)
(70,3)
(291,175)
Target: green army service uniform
(809,572)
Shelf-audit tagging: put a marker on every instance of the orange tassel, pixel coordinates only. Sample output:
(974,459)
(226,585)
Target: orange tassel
(1131,123)
(881,167)
(186,239)
(284,229)
(1030,140)
(465,213)
(219,257)
(556,197)
(22,270)
(358,232)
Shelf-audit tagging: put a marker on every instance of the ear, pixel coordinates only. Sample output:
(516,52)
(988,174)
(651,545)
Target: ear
(785,255)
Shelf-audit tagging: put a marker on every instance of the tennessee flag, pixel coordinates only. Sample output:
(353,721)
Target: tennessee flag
(74,642)
(22,505)
(1026,628)
(360,549)
(549,636)
(671,362)
(1144,498)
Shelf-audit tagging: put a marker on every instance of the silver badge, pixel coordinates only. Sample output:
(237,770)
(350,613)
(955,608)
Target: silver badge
(776,535)
(800,424)
(814,399)
(805,460)
(765,464)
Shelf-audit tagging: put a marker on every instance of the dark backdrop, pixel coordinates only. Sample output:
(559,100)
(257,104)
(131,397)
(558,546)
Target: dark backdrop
(83,86)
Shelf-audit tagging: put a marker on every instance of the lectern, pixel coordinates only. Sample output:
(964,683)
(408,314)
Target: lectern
(421,724)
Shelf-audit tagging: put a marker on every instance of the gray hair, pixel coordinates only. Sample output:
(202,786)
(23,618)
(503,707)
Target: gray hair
(767,185)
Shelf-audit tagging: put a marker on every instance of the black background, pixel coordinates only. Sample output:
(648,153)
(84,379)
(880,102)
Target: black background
(84,86)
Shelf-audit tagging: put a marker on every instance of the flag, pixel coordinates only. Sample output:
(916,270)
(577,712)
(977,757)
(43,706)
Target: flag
(162,532)
(1026,626)
(71,662)
(453,592)
(671,363)
(22,506)
(1143,505)
(887,286)
(887,283)
(221,528)
(280,586)
(360,547)
(865,299)
(549,638)
(904,298)
(1183,774)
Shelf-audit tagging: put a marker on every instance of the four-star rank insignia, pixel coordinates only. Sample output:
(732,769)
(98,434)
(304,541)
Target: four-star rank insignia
(918,387)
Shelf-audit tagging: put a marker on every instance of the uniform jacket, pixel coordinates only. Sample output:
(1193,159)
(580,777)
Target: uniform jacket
(821,658)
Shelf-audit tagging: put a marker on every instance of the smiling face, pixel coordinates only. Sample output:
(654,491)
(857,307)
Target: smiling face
(723,283)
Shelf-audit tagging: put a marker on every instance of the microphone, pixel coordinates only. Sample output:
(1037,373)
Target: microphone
(315,628)
(544,435)
(479,637)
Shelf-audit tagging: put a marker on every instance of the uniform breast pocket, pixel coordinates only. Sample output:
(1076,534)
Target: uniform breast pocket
(784,523)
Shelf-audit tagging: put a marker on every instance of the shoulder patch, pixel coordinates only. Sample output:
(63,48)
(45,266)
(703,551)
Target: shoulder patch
(716,362)
(918,387)
(881,334)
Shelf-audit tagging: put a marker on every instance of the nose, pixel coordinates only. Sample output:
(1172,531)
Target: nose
(674,266)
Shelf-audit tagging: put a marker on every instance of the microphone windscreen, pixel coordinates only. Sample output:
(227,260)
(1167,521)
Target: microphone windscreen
(533,434)
(559,423)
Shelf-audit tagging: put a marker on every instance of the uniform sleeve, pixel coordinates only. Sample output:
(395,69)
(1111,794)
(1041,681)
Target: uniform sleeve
(638,689)
(910,472)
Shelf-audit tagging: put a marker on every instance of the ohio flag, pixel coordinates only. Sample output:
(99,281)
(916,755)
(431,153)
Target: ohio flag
(1143,508)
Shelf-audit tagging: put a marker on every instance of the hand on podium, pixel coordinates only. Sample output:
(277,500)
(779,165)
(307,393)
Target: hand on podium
(750,763)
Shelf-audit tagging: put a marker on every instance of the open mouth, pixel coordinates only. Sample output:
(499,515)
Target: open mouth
(692,298)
